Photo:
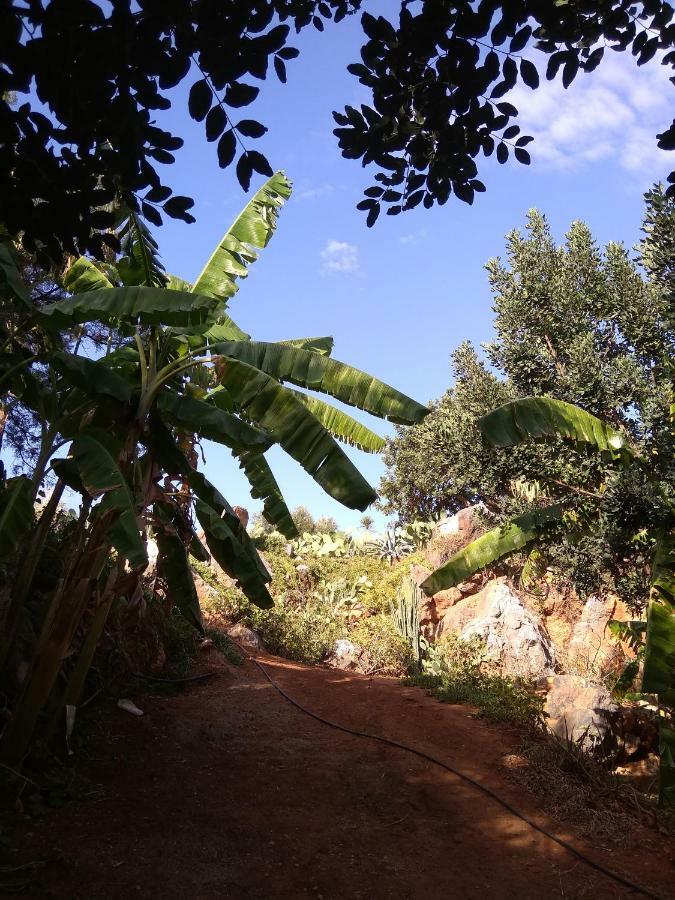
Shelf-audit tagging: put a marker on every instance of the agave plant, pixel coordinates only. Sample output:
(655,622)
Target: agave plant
(177,367)
(392,546)
(542,418)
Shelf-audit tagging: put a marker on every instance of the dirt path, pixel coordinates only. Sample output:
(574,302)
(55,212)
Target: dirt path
(226,790)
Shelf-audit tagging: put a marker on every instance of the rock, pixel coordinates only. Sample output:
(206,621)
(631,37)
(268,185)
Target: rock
(348,656)
(242,515)
(514,637)
(432,609)
(578,710)
(462,521)
(593,650)
(245,636)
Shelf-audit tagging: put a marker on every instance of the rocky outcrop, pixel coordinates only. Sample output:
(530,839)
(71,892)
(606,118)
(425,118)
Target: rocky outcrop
(593,650)
(462,522)
(577,709)
(514,636)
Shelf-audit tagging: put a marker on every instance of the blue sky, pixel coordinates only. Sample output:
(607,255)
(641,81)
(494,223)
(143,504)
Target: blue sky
(400,297)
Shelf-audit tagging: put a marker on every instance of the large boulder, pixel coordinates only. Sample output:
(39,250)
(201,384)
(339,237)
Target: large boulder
(462,522)
(593,650)
(348,656)
(514,636)
(432,609)
(578,710)
(245,636)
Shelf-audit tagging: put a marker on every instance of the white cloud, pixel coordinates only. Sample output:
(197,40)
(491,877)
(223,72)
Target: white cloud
(612,114)
(414,237)
(314,193)
(339,256)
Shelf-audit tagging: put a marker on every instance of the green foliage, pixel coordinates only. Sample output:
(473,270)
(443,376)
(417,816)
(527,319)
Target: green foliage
(405,613)
(391,547)
(457,676)
(323,543)
(492,546)
(586,329)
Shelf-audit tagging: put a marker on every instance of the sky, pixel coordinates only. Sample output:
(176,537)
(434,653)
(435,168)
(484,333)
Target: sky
(400,297)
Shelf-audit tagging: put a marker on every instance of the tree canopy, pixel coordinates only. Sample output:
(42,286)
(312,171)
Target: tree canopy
(88,80)
(583,326)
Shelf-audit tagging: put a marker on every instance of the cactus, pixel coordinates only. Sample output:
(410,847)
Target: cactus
(406,617)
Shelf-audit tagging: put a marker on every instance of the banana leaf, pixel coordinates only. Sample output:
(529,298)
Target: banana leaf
(534,417)
(93,377)
(16,513)
(253,227)
(83,276)
(101,477)
(497,543)
(290,423)
(147,305)
(329,376)
(323,345)
(174,567)
(343,426)
(264,487)
(11,282)
(207,420)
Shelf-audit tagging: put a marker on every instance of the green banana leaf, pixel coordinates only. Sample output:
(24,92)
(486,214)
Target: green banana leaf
(323,345)
(534,417)
(147,305)
(329,376)
(92,376)
(83,276)
(667,766)
(11,282)
(211,496)
(207,420)
(490,547)
(16,513)
(174,567)
(291,424)
(171,514)
(264,487)
(232,556)
(66,469)
(101,477)
(253,227)
(659,669)
(343,426)
(141,264)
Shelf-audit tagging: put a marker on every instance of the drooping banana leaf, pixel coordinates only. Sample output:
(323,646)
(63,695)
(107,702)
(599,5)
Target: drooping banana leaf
(329,376)
(149,306)
(175,283)
(16,513)
(659,670)
(101,477)
(83,276)
(291,424)
(342,426)
(264,487)
(323,345)
(141,263)
(211,496)
(253,227)
(174,567)
(534,417)
(207,420)
(11,282)
(667,766)
(67,470)
(171,514)
(93,377)
(497,543)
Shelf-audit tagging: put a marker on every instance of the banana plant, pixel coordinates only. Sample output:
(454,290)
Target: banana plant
(543,418)
(181,366)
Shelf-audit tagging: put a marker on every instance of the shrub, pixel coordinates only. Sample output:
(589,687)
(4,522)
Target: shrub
(457,672)
(388,652)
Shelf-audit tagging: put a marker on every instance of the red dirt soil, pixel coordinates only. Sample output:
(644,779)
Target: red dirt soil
(227,790)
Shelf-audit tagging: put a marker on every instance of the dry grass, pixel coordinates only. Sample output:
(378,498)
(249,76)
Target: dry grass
(578,790)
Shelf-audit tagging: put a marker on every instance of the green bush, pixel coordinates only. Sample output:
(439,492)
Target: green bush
(388,652)
(457,672)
